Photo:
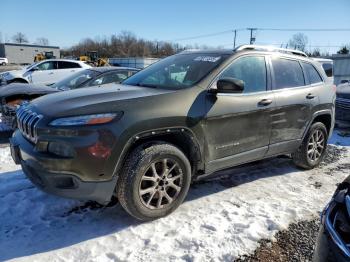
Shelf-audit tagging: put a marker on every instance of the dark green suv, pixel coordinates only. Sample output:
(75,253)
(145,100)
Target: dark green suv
(179,120)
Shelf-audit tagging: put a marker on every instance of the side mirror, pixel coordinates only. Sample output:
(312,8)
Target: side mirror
(229,85)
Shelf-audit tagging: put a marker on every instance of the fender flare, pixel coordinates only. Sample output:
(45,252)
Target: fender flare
(316,114)
(156,134)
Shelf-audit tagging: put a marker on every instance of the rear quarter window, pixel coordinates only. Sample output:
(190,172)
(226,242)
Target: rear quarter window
(67,65)
(287,73)
(311,73)
(328,68)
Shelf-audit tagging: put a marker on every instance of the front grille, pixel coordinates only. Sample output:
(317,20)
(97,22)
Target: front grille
(27,122)
(342,103)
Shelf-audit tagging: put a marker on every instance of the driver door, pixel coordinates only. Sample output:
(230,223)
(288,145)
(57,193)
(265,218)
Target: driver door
(238,125)
(43,73)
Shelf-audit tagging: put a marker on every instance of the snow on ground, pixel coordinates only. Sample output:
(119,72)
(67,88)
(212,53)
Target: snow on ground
(221,218)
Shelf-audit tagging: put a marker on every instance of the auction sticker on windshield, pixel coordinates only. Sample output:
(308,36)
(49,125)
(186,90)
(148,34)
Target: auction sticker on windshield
(211,59)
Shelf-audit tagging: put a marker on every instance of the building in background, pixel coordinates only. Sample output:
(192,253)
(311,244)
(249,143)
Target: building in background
(341,65)
(24,54)
(135,62)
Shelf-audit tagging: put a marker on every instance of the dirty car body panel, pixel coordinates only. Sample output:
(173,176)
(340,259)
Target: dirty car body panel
(220,130)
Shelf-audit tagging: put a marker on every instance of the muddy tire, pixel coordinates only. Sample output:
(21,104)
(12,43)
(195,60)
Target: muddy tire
(313,148)
(154,181)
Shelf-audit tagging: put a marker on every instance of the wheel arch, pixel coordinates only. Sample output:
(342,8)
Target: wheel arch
(183,138)
(19,80)
(325,117)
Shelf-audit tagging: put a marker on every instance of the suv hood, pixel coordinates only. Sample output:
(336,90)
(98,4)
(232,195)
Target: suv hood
(343,91)
(91,100)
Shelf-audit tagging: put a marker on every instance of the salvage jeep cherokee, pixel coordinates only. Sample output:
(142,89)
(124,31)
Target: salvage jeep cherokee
(176,121)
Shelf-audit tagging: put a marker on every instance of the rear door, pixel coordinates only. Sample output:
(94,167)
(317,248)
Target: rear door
(238,125)
(65,69)
(293,107)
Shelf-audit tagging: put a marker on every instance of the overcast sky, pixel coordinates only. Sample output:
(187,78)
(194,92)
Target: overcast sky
(65,22)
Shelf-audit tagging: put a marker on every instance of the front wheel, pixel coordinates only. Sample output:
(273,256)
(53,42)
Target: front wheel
(154,181)
(313,148)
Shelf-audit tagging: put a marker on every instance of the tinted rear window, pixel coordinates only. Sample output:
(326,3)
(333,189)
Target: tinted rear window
(328,68)
(287,73)
(65,65)
(312,73)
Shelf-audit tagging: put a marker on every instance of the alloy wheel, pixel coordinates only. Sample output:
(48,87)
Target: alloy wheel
(161,183)
(316,145)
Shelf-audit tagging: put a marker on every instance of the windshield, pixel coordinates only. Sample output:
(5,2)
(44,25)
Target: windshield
(76,80)
(32,65)
(177,72)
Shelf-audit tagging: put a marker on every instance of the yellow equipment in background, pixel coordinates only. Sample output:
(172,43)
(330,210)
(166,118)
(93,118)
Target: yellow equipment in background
(42,56)
(92,58)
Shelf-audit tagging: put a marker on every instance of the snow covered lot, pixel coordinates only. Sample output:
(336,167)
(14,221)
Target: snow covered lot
(221,218)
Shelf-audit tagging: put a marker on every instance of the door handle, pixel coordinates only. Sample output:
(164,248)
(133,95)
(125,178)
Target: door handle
(72,70)
(265,102)
(51,73)
(310,96)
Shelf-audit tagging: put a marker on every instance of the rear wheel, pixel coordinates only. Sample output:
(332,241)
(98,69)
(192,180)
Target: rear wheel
(313,147)
(154,182)
(3,64)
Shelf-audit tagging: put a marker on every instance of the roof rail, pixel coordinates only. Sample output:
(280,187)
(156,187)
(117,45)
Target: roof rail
(270,49)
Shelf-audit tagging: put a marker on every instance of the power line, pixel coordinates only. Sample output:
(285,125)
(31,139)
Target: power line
(306,29)
(207,35)
(264,29)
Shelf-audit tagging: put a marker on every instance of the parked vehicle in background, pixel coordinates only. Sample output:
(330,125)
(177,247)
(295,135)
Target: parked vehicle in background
(46,72)
(3,61)
(342,104)
(333,242)
(327,65)
(13,95)
(176,121)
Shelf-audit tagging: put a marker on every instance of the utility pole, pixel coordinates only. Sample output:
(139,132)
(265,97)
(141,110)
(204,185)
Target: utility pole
(252,39)
(234,39)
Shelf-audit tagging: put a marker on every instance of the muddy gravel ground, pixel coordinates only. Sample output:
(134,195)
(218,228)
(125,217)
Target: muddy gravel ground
(9,67)
(298,241)
(294,244)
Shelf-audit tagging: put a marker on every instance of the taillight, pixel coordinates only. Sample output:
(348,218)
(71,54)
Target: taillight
(334,87)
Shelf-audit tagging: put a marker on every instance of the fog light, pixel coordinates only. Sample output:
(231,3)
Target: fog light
(61,149)
(99,150)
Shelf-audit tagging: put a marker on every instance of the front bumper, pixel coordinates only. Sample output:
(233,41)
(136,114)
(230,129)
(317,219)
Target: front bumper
(329,245)
(342,109)
(58,176)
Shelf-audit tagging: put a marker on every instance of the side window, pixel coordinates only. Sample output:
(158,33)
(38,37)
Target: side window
(287,73)
(49,65)
(251,70)
(328,68)
(312,73)
(67,65)
(113,77)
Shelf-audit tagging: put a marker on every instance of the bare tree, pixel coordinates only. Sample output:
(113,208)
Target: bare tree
(316,52)
(42,41)
(344,50)
(298,41)
(125,44)
(20,38)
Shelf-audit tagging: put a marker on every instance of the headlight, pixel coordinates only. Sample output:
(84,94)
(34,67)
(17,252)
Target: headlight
(86,119)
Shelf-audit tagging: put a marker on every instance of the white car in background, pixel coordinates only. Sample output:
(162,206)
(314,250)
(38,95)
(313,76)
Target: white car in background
(3,61)
(45,72)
